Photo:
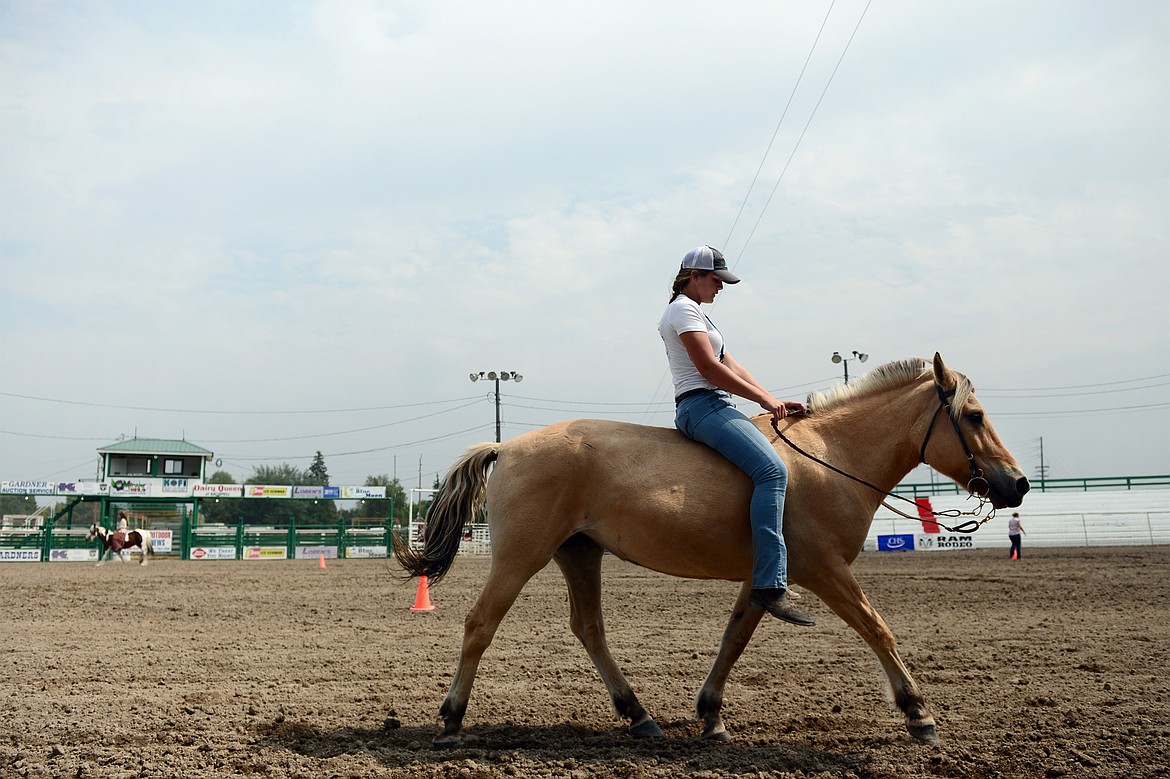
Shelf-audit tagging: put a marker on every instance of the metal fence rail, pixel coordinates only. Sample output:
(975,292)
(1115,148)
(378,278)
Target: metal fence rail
(187,541)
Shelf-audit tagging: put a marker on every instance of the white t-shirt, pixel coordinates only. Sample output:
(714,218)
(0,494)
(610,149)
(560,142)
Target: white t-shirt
(683,315)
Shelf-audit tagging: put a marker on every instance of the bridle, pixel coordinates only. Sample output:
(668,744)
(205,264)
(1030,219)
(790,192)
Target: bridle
(944,402)
(977,486)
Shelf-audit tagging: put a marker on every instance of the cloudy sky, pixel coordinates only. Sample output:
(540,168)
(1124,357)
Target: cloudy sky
(277,228)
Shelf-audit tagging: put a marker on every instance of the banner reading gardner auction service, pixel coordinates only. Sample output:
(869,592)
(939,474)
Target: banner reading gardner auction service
(28,487)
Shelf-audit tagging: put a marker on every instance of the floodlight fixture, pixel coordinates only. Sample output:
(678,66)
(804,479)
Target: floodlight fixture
(837,359)
(497,378)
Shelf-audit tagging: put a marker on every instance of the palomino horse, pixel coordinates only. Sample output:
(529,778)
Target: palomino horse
(111,543)
(573,490)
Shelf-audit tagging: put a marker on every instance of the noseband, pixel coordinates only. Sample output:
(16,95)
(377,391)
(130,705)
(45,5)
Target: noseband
(973,484)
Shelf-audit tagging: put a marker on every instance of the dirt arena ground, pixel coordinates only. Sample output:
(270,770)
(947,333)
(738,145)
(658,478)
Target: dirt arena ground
(1052,666)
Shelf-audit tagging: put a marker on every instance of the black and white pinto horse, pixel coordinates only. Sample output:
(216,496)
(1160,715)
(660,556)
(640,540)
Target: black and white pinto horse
(120,541)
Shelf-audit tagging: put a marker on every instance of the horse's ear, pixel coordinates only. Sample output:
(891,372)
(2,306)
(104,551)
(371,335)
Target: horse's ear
(942,374)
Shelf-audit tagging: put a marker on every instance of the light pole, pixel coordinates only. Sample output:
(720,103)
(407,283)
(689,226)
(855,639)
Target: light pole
(859,356)
(497,378)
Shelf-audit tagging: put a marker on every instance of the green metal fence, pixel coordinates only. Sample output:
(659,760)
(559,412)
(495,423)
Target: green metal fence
(187,540)
(947,487)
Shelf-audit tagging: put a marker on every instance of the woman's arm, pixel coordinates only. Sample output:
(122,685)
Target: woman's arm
(731,376)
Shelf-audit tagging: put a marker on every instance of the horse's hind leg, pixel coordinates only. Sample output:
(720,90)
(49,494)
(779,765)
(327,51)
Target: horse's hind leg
(508,576)
(579,559)
(841,592)
(737,634)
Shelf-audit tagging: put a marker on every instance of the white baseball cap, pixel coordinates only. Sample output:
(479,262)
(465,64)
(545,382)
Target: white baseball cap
(709,258)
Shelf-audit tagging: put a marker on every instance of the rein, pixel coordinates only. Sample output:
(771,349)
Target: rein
(973,484)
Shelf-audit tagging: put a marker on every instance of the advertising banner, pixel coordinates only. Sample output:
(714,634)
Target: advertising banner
(83,488)
(73,555)
(901,542)
(218,490)
(362,493)
(161,541)
(172,486)
(265,553)
(20,555)
(213,553)
(27,488)
(266,491)
(134,487)
(933,542)
(365,551)
(313,552)
(308,492)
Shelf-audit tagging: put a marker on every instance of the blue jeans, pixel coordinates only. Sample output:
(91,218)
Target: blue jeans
(711,419)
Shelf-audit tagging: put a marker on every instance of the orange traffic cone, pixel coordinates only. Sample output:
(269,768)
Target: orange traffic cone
(422,600)
(1015,555)
(321,562)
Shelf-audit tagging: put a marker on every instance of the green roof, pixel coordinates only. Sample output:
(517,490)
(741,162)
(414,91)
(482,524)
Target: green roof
(154,446)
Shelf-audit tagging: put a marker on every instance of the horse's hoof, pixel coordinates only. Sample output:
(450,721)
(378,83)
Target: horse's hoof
(444,741)
(924,731)
(647,728)
(719,735)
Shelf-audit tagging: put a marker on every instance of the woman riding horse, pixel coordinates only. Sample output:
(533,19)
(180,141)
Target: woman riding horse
(572,491)
(705,376)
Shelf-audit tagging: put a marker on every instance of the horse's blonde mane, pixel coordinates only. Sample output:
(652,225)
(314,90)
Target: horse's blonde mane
(892,375)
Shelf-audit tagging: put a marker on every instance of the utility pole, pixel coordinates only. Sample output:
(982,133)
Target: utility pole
(1043,468)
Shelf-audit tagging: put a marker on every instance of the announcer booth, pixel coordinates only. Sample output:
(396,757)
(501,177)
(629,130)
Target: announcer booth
(154,480)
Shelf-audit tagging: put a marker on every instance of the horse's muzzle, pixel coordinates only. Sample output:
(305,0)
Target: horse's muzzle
(1007,488)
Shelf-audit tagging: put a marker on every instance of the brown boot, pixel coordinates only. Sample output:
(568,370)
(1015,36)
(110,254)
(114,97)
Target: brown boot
(775,601)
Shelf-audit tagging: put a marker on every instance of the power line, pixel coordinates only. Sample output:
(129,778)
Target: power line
(784,113)
(1077,412)
(251,413)
(1045,394)
(800,139)
(1079,386)
(363,451)
(344,432)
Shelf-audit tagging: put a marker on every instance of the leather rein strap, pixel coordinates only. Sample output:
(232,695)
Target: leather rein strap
(976,480)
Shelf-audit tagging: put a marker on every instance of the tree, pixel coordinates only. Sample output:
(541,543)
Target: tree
(21,505)
(220,511)
(317,471)
(394,493)
(85,512)
(280,512)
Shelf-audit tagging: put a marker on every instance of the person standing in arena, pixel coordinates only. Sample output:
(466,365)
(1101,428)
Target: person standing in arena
(1015,527)
(705,377)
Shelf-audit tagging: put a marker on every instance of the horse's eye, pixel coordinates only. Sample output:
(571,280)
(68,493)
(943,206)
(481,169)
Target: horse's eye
(975,418)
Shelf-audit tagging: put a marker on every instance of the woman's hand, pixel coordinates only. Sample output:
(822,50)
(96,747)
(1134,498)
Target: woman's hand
(779,409)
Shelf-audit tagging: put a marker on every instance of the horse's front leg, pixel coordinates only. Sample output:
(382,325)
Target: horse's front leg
(737,634)
(841,592)
(579,559)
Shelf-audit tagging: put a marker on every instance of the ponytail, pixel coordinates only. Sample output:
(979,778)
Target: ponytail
(684,276)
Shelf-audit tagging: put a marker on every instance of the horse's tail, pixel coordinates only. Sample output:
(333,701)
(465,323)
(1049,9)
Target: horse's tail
(462,494)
